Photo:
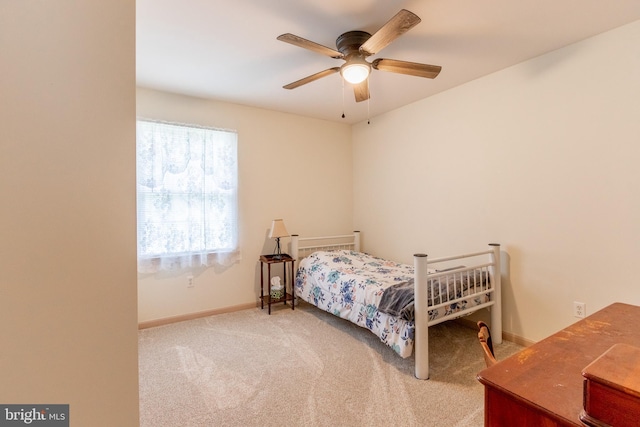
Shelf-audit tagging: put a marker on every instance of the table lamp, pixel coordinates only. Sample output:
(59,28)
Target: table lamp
(278,230)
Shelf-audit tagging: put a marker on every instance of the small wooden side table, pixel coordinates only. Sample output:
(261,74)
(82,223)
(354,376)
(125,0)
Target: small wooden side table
(288,296)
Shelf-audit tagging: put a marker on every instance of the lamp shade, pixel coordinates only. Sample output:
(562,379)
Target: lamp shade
(278,229)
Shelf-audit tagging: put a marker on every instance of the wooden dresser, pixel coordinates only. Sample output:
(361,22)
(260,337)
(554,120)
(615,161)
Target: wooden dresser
(542,386)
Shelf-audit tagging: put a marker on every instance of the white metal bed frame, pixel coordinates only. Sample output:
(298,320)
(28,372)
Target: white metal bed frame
(421,282)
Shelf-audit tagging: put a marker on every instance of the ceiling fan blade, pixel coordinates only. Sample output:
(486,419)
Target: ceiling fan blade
(307,44)
(361,91)
(312,78)
(402,22)
(404,67)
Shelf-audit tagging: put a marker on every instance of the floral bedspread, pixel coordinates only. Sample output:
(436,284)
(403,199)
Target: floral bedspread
(351,285)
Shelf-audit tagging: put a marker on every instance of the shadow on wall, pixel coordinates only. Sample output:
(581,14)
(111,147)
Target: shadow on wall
(510,322)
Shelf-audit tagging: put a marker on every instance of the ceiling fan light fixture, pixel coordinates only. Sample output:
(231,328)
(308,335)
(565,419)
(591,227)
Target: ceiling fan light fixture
(355,71)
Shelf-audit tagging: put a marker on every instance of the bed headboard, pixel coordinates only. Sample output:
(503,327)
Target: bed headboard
(304,246)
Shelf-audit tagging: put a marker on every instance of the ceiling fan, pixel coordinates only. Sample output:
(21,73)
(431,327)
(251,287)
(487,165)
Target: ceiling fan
(355,46)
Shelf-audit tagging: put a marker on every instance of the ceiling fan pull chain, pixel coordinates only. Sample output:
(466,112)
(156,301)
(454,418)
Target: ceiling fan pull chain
(343,116)
(368,103)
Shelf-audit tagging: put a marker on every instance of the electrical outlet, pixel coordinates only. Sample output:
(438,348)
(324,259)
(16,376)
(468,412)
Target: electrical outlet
(579,309)
(190,282)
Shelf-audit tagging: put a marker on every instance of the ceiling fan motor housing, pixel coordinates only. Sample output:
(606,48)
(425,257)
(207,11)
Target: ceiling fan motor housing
(349,43)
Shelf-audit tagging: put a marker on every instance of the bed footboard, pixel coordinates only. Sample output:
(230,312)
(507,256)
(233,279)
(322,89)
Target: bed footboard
(451,277)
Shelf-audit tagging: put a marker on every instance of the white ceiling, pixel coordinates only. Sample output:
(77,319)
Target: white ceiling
(227,50)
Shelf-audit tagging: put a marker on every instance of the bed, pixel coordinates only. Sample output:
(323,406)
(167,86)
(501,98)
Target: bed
(395,301)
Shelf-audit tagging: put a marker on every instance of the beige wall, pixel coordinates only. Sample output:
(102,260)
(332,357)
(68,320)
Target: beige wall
(542,157)
(290,167)
(67,217)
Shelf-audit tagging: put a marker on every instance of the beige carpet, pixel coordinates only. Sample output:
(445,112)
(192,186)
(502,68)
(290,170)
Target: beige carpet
(304,368)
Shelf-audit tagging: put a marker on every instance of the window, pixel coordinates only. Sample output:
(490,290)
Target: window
(187,197)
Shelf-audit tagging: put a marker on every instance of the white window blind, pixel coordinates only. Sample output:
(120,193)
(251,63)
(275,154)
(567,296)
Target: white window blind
(187,190)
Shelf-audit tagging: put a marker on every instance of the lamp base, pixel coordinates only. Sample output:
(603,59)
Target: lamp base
(278,252)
